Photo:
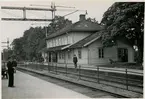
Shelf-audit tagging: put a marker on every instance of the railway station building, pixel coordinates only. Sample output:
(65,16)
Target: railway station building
(83,39)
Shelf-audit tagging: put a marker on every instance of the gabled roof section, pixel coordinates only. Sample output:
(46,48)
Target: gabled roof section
(51,49)
(86,41)
(80,26)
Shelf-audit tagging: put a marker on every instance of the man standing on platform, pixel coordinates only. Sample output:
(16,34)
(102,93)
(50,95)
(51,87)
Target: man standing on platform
(75,60)
(10,73)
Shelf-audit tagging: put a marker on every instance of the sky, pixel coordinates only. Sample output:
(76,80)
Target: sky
(15,29)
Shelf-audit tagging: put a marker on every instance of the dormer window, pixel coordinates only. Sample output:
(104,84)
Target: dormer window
(79,25)
(86,25)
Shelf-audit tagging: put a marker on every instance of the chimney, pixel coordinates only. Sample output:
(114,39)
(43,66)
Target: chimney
(82,17)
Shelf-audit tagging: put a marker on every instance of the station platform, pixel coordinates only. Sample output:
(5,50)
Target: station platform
(27,86)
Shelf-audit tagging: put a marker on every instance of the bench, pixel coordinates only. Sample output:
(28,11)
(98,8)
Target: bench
(111,61)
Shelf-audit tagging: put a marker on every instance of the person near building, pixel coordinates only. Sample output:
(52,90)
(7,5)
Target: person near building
(75,60)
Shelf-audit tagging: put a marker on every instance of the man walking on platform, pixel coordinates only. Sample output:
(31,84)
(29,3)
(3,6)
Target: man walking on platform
(10,73)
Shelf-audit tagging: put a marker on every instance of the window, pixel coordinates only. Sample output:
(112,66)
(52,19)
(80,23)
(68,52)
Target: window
(63,41)
(123,54)
(56,42)
(79,53)
(66,42)
(69,55)
(47,44)
(70,39)
(59,55)
(50,43)
(59,41)
(62,55)
(101,53)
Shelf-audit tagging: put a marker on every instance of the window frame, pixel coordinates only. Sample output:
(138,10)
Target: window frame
(80,53)
(101,52)
(59,55)
(62,55)
(69,55)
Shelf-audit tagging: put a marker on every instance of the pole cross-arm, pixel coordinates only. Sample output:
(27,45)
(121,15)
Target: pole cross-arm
(24,13)
(26,8)
(25,19)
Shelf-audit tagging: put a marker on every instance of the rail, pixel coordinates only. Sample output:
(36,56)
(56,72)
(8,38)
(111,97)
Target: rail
(123,78)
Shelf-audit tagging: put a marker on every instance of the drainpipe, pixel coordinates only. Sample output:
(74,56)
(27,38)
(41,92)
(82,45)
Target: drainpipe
(88,55)
(51,59)
(73,38)
(64,58)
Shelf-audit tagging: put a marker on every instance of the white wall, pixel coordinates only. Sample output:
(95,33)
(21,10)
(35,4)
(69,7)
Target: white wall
(84,55)
(77,36)
(81,61)
(90,54)
(65,39)
(109,53)
(57,41)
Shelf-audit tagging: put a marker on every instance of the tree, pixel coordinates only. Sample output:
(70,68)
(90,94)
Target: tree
(33,40)
(125,19)
(17,48)
(58,23)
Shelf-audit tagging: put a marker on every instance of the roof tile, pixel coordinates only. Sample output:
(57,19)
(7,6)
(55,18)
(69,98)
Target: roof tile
(84,26)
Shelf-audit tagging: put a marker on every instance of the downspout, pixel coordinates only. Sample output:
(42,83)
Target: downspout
(64,57)
(73,42)
(88,55)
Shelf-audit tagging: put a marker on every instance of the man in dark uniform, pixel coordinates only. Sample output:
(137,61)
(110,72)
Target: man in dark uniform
(14,64)
(10,73)
(75,60)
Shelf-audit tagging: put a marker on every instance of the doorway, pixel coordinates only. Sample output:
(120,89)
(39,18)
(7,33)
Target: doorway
(122,54)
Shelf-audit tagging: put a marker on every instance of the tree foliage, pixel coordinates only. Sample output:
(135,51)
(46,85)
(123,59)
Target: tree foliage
(58,23)
(125,19)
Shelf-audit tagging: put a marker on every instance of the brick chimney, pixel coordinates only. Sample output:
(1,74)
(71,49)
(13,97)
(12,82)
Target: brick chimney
(82,17)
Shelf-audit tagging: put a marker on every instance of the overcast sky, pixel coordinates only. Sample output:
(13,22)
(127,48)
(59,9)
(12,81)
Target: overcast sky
(15,29)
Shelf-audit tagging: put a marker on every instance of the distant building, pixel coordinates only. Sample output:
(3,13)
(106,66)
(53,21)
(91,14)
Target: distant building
(83,39)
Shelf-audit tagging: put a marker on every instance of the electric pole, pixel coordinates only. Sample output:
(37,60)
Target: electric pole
(6,43)
(5,51)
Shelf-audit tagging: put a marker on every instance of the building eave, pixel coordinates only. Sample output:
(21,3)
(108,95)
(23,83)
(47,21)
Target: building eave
(88,43)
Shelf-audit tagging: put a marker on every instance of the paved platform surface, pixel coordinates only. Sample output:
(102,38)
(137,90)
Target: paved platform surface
(103,87)
(27,87)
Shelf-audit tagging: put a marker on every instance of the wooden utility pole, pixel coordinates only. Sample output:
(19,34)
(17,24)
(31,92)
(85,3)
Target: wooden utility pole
(6,43)
(5,51)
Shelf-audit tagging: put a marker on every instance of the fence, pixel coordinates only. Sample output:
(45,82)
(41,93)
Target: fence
(125,79)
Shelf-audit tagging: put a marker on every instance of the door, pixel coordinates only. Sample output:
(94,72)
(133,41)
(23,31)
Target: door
(122,54)
(49,57)
(54,57)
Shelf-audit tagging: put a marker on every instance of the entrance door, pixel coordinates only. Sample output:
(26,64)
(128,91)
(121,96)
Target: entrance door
(54,55)
(122,55)
(49,57)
